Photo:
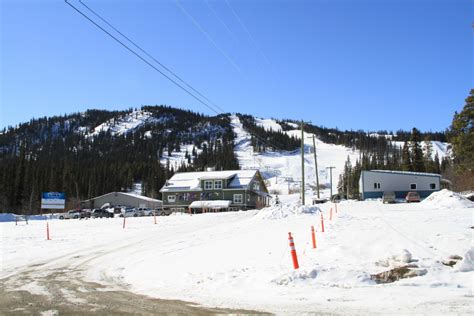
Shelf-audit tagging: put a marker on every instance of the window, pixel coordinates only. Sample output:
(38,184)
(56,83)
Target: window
(376,185)
(413,186)
(171,198)
(256,186)
(433,186)
(218,184)
(208,185)
(238,198)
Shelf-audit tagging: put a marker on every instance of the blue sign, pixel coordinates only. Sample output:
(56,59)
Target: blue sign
(53,195)
(53,200)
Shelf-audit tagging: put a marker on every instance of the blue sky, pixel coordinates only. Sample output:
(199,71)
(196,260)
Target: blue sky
(360,64)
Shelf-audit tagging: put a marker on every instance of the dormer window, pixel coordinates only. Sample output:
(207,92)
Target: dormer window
(208,185)
(218,184)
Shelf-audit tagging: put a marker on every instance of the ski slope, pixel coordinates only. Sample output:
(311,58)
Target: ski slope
(283,169)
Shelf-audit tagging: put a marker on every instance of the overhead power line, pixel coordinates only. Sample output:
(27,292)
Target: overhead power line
(207,35)
(147,54)
(250,36)
(204,98)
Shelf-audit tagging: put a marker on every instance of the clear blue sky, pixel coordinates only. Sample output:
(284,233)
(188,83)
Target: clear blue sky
(353,64)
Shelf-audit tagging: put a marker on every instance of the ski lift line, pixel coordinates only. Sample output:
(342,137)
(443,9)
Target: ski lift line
(149,55)
(251,37)
(161,72)
(214,12)
(208,36)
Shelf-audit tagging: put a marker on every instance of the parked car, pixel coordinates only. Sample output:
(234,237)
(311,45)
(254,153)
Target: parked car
(84,214)
(145,211)
(130,212)
(412,197)
(319,201)
(162,212)
(388,197)
(69,214)
(100,213)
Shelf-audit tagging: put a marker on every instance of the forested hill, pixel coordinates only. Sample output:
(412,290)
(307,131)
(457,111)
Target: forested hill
(97,151)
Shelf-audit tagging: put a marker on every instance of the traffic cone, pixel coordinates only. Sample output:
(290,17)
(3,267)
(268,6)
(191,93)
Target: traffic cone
(293,252)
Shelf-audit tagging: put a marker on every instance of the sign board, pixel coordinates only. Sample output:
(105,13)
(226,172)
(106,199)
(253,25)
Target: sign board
(53,200)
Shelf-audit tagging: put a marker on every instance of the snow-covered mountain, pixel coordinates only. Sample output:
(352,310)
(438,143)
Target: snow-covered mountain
(97,151)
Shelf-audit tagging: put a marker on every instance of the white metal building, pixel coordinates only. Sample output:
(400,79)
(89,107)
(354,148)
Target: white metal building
(373,183)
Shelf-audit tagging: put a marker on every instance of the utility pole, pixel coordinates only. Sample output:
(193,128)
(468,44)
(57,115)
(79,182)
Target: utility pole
(330,179)
(302,163)
(316,165)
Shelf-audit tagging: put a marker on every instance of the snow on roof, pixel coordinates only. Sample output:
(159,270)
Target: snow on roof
(142,197)
(406,172)
(191,180)
(216,204)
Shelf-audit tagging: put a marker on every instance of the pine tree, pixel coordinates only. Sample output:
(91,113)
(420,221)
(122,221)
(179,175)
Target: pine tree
(461,135)
(416,151)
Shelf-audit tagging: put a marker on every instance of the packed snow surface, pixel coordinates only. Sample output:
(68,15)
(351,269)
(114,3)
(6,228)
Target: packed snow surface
(242,259)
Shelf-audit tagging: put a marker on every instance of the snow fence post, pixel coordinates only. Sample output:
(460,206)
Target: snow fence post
(335,205)
(330,214)
(154,215)
(322,222)
(293,252)
(47,231)
(313,237)
(124,221)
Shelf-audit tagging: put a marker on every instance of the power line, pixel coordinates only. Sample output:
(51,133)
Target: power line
(207,35)
(250,36)
(136,54)
(155,68)
(149,55)
(220,20)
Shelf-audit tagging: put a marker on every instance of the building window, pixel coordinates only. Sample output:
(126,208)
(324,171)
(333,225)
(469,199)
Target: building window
(171,198)
(238,198)
(433,186)
(376,185)
(256,186)
(218,184)
(208,185)
(413,186)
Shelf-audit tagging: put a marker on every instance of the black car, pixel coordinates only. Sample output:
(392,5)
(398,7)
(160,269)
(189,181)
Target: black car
(99,213)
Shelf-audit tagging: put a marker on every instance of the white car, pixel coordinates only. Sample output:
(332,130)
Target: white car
(70,214)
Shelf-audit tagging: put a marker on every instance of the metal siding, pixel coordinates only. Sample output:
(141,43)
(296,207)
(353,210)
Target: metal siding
(398,183)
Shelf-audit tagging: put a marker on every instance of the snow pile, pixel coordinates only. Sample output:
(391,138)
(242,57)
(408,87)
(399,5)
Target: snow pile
(296,277)
(287,210)
(467,263)
(396,260)
(447,199)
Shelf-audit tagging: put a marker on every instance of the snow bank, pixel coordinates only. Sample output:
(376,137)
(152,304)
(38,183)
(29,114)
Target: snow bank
(467,263)
(10,217)
(447,199)
(287,210)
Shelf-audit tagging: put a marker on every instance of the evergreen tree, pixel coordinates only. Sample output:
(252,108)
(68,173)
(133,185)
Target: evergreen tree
(461,135)
(416,151)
